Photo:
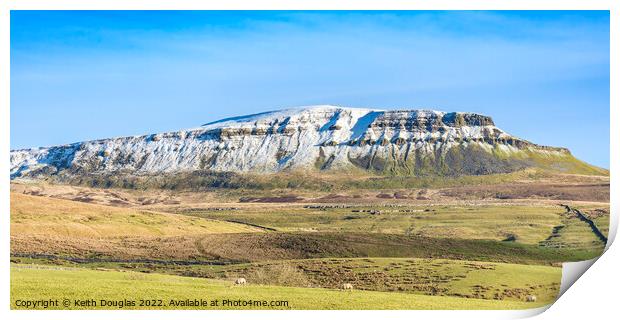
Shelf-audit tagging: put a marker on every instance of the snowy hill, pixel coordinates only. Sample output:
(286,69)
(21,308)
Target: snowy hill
(309,138)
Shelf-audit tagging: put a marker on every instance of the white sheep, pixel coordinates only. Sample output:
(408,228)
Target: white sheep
(530,298)
(347,286)
(240,281)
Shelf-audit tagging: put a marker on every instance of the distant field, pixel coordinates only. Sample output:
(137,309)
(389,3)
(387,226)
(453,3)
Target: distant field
(28,283)
(534,184)
(33,215)
(246,247)
(528,224)
(42,225)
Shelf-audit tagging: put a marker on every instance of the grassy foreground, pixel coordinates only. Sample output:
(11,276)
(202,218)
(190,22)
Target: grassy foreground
(30,283)
(436,277)
(441,277)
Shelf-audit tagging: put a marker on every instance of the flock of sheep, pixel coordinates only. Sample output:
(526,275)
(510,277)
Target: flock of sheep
(348,286)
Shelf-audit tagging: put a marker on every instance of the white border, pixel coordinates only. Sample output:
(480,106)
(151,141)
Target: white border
(591,297)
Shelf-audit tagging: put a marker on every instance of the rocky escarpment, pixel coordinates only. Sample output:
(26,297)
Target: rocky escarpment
(409,142)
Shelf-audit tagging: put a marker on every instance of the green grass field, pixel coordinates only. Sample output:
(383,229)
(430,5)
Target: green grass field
(31,282)
(441,277)
(526,224)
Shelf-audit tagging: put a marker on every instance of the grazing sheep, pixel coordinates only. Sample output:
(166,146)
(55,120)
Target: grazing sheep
(240,281)
(531,298)
(347,286)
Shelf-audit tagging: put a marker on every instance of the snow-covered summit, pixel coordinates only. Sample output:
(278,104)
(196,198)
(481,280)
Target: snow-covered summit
(316,137)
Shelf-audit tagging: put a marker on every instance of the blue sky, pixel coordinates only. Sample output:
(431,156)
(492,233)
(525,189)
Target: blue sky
(78,75)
